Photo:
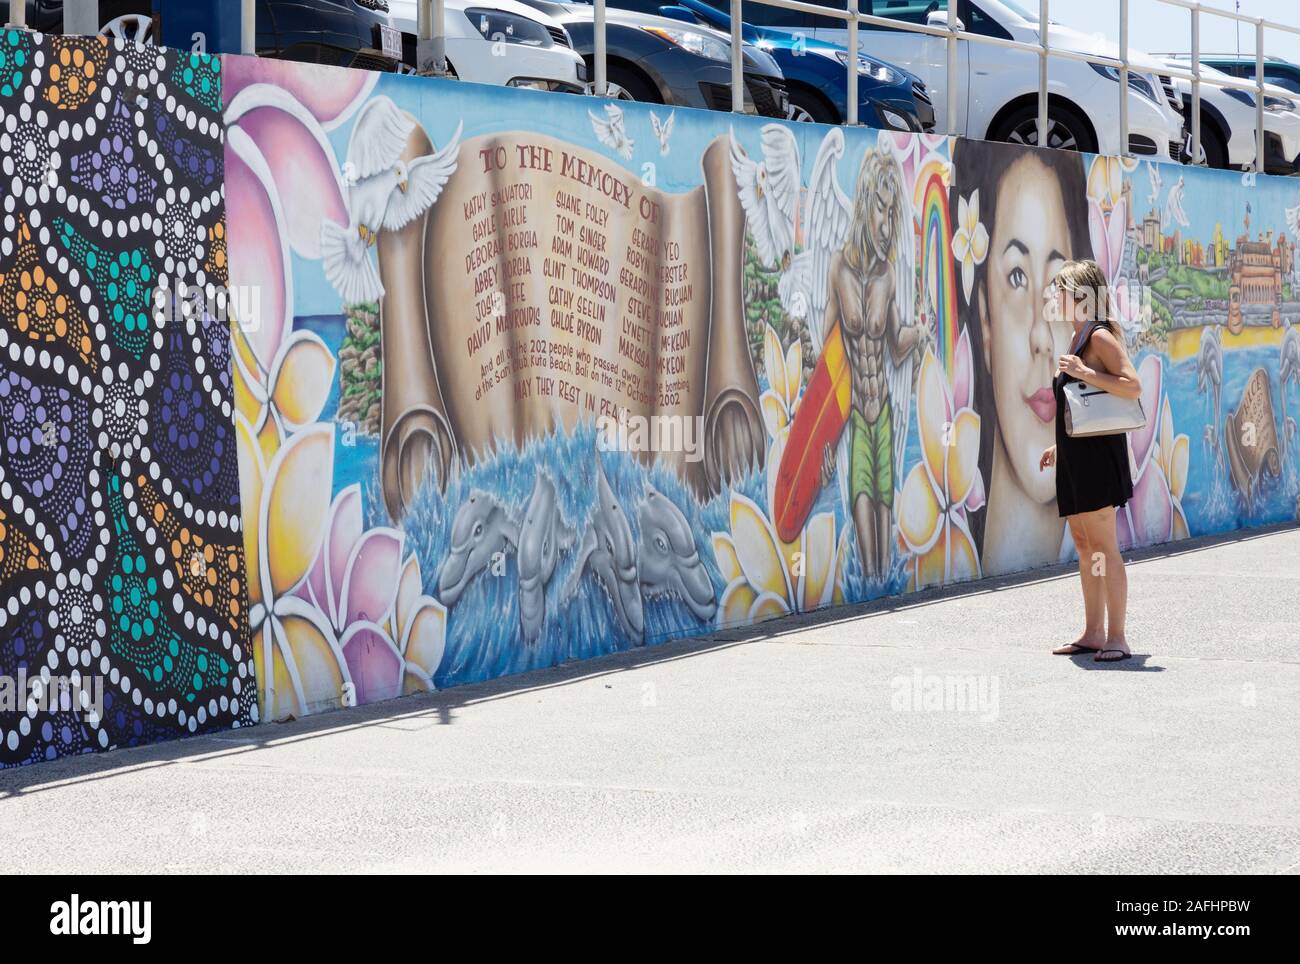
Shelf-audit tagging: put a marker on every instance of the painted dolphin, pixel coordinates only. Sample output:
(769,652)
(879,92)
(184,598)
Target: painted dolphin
(667,560)
(608,551)
(1209,373)
(542,536)
(480,530)
(1288,372)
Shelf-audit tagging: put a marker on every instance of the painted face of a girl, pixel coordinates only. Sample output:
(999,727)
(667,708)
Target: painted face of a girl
(1028,243)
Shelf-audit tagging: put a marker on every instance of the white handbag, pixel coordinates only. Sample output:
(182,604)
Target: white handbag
(1094,411)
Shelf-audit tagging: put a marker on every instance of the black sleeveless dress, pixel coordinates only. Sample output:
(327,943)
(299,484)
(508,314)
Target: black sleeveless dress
(1093,472)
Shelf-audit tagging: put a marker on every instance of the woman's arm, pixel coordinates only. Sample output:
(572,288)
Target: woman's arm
(1114,372)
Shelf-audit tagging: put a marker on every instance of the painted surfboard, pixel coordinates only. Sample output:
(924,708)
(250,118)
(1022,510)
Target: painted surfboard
(822,415)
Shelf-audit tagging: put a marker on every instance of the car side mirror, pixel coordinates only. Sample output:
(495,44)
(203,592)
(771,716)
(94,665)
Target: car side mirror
(939,18)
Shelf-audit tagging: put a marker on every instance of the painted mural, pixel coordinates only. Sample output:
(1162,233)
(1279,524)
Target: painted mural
(320,387)
(123,610)
(539,378)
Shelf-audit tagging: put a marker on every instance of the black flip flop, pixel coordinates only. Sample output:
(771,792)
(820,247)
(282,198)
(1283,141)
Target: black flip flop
(1119,659)
(1078,650)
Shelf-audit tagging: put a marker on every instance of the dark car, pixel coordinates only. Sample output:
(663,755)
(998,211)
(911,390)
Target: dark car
(1276,70)
(889,97)
(347,33)
(661,61)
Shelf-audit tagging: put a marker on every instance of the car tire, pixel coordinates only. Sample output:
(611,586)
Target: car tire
(624,84)
(807,107)
(1066,128)
(1214,152)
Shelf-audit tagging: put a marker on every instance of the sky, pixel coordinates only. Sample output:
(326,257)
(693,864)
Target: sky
(1159,28)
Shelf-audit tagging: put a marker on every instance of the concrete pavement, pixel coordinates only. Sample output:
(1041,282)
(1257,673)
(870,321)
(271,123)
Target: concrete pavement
(927,733)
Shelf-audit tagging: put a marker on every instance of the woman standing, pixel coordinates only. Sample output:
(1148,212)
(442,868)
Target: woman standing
(1092,473)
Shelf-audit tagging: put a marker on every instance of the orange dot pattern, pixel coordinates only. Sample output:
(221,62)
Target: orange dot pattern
(215,265)
(35,305)
(18,553)
(210,573)
(75,71)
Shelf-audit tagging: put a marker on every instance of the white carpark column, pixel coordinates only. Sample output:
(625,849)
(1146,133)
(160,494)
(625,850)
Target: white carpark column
(1123,78)
(601,79)
(1259,96)
(81,17)
(1042,72)
(431,38)
(851,93)
(248,27)
(17,13)
(737,60)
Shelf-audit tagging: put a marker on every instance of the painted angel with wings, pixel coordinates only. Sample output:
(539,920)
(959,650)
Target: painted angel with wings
(385,193)
(856,280)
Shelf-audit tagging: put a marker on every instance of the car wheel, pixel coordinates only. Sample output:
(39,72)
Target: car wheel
(1066,130)
(130,27)
(1214,153)
(805,107)
(624,84)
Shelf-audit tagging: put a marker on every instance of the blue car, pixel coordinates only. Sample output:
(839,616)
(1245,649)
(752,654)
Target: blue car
(816,72)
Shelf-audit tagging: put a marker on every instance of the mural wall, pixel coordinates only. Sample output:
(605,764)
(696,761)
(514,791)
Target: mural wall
(123,610)
(319,387)
(537,378)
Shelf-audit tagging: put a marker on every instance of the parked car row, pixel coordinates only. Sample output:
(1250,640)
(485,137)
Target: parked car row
(796,65)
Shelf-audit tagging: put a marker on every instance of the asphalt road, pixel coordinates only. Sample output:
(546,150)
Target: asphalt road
(931,733)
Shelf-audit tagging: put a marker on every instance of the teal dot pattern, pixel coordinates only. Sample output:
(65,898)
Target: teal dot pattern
(117,196)
(15,62)
(199,75)
(124,280)
(140,632)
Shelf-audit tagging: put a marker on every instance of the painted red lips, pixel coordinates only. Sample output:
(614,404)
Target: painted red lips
(1043,402)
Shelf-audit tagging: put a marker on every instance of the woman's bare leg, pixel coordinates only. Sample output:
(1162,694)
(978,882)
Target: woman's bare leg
(1103,537)
(1094,593)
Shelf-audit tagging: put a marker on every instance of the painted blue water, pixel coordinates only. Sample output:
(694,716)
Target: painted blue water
(1210,503)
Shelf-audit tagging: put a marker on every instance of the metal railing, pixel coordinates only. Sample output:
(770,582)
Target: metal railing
(431,54)
(952,32)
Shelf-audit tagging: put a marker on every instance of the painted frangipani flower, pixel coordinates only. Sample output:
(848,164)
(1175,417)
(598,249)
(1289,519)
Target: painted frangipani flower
(335,619)
(1106,180)
(392,636)
(785,378)
(300,667)
(1160,459)
(946,483)
(282,180)
(290,394)
(765,576)
(970,242)
(1106,231)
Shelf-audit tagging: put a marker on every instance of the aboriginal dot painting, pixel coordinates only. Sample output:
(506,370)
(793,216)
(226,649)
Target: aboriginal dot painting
(123,610)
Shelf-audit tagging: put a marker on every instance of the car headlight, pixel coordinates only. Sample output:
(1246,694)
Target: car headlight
(1274,105)
(866,66)
(694,42)
(501,27)
(1136,81)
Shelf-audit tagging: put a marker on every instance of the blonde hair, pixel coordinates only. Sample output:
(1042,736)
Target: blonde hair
(878,170)
(1084,279)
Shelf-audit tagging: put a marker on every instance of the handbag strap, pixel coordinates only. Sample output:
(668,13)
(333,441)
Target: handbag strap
(1080,341)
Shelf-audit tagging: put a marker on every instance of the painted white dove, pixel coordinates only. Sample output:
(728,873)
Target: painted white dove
(385,193)
(663,130)
(611,132)
(770,193)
